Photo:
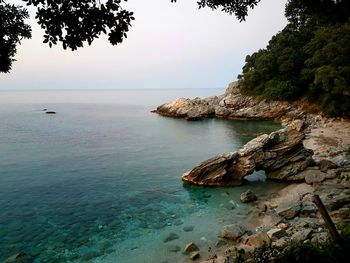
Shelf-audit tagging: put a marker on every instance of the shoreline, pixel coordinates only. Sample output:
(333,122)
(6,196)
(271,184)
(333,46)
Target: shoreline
(291,213)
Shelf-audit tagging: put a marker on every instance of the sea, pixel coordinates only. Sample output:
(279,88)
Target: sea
(100,180)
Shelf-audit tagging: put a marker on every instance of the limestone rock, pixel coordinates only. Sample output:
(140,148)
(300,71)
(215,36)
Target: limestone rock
(248,197)
(280,154)
(191,247)
(258,240)
(326,165)
(189,109)
(289,210)
(308,209)
(282,242)
(313,176)
(276,233)
(301,235)
(233,104)
(331,174)
(232,232)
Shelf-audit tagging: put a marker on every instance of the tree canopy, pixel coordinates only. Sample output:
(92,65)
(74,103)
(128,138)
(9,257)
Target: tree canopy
(309,57)
(74,23)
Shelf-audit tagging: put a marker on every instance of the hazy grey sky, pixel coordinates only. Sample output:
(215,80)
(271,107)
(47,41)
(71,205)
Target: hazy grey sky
(168,46)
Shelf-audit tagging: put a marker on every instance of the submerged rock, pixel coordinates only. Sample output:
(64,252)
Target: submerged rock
(170,237)
(174,248)
(191,247)
(21,257)
(248,197)
(188,228)
(194,255)
(280,154)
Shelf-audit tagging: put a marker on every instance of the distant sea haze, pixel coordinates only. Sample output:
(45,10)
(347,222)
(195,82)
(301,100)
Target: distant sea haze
(100,180)
(139,97)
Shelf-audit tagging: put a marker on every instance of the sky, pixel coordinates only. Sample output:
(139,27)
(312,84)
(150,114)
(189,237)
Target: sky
(169,46)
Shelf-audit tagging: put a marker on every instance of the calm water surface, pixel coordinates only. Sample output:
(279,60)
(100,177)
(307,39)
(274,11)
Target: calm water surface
(100,181)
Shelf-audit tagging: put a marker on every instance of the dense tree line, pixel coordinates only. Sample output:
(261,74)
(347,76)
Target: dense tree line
(309,57)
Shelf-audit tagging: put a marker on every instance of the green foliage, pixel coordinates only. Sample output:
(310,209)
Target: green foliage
(75,22)
(12,30)
(309,57)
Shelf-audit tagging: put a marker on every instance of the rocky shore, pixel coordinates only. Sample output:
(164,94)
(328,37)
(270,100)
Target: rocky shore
(311,153)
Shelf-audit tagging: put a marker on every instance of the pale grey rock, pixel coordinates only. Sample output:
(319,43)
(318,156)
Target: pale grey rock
(301,235)
(313,175)
(276,233)
(257,240)
(289,210)
(248,197)
(331,174)
(280,154)
(282,242)
(308,209)
(232,232)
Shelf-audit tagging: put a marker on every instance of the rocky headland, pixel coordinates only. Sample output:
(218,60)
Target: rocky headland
(311,153)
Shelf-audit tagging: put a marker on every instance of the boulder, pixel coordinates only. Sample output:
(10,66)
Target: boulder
(313,176)
(301,235)
(289,210)
(190,248)
(258,240)
(308,209)
(248,197)
(276,233)
(325,165)
(189,109)
(232,232)
(280,154)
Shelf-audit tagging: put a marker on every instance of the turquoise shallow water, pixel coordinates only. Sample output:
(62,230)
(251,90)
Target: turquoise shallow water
(101,180)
